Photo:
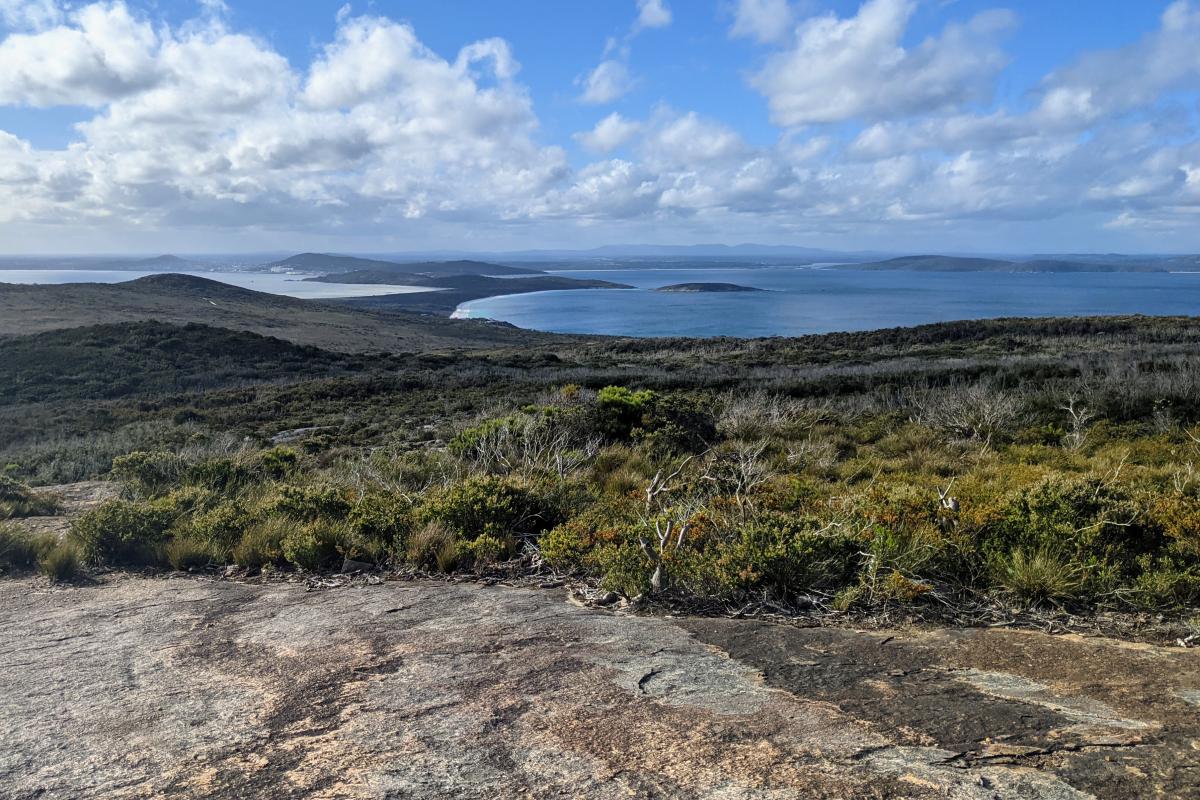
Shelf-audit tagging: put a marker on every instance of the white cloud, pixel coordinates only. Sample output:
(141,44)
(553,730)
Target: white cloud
(763,20)
(609,81)
(652,14)
(29,14)
(103,54)
(841,69)
(208,128)
(609,134)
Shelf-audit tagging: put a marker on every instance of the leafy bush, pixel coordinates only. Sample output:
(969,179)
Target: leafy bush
(309,502)
(485,505)
(315,544)
(619,410)
(122,532)
(219,528)
(486,550)
(279,462)
(147,474)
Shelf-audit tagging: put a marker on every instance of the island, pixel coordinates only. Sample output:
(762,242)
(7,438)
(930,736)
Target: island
(706,287)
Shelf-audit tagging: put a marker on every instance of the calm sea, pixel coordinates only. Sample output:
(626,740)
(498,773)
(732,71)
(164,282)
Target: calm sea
(292,285)
(803,300)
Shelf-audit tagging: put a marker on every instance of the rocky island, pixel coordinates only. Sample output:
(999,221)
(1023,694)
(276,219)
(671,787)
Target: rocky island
(706,287)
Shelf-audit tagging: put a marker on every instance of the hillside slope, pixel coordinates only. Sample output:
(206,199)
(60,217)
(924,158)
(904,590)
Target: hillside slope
(184,299)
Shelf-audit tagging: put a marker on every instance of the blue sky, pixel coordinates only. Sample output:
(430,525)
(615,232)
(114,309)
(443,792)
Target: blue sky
(952,125)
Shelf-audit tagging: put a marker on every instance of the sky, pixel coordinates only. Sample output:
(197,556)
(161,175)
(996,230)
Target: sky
(406,125)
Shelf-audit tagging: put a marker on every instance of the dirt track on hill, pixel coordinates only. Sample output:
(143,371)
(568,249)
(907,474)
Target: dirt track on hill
(200,688)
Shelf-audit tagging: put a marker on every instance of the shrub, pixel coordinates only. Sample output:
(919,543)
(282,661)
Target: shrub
(674,424)
(619,410)
(484,505)
(279,462)
(314,544)
(381,518)
(309,502)
(219,528)
(224,475)
(486,550)
(1094,525)
(777,554)
(122,532)
(146,474)
(61,564)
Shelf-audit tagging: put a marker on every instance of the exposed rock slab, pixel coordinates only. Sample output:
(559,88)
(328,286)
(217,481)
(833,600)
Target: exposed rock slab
(196,688)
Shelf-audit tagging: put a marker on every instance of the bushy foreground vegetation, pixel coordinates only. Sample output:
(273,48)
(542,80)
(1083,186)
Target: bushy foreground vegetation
(1046,462)
(729,496)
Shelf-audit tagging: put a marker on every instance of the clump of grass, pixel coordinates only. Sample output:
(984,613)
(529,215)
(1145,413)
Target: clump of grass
(262,543)
(187,554)
(20,550)
(1040,576)
(433,545)
(61,564)
(18,500)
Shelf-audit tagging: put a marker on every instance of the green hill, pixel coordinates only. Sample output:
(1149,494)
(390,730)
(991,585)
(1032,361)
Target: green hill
(183,299)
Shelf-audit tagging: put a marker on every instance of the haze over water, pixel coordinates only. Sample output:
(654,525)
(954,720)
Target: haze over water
(805,301)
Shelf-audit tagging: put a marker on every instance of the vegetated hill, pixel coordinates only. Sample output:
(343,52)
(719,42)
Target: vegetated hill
(184,299)
(931,263)
(326,262)
(458,289)
(707,287)
(150,358)
(337,265)
(464,267)
(937,264)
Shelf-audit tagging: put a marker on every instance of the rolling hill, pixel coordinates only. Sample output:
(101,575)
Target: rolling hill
(335,264)
(183,299)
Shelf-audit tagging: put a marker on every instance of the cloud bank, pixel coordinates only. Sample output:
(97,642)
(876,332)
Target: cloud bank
(204,127)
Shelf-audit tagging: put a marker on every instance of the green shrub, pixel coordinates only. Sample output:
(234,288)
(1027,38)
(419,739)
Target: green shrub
(224,475)
(486,550)
(484,505)
(618,411)
(380,518)
(309,502)
(61,564)
(673,425)
(146,474)
(1099,528)
(219,528)
(279,462)
(315,544)
(122,532)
